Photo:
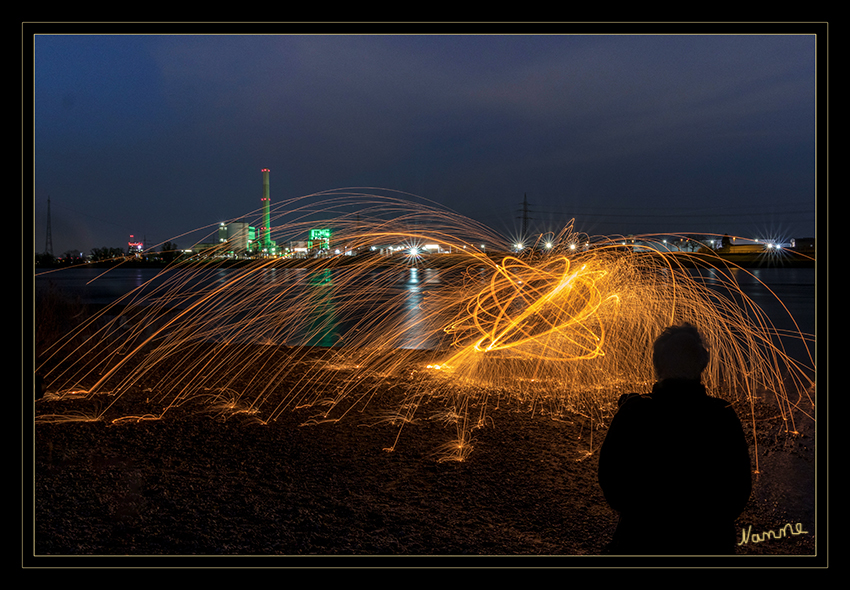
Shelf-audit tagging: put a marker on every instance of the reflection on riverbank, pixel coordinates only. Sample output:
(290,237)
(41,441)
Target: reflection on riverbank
(567,332)
(786,295)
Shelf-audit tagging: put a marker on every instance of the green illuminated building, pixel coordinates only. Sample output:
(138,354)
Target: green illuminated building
(320,239)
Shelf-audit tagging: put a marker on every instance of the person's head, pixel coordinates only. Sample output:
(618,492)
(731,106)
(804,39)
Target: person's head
(679,353)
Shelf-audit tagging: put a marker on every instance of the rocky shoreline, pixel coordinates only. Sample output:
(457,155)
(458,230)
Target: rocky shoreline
(201,483)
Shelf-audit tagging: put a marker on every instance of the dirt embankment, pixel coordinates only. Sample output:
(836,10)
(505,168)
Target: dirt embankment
(193,483)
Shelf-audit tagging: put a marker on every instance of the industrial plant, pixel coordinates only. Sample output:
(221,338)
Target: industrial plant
(240,239)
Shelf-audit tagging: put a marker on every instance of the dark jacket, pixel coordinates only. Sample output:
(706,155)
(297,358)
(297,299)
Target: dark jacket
(676,467)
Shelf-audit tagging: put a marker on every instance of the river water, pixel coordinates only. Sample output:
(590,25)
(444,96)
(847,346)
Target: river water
(772,289)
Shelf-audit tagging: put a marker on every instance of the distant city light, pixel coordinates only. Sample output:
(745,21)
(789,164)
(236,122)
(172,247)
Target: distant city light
(134,245)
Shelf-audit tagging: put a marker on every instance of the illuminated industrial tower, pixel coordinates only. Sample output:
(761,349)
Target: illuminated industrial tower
(266,244)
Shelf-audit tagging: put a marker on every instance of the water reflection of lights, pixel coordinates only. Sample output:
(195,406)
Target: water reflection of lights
(569,328)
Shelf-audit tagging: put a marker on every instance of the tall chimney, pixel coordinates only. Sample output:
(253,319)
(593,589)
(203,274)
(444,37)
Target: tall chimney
(265,228)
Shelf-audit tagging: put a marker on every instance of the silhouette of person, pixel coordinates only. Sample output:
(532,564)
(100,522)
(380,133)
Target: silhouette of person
(675,464)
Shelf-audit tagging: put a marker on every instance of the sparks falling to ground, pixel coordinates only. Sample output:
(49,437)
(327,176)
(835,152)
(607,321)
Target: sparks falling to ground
(565,329)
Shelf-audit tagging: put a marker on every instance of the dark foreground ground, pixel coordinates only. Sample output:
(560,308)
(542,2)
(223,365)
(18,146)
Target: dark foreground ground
(327,495)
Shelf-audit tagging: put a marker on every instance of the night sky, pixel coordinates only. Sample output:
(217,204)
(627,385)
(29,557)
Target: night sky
(157,135)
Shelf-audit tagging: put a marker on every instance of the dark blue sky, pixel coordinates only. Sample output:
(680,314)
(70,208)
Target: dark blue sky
(156,135)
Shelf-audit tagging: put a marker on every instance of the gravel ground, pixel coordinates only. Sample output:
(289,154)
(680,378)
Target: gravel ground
(196,484)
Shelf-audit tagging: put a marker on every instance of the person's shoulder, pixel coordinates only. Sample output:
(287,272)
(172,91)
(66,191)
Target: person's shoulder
(633,402)
(717,402)
(634,410)
(721,406)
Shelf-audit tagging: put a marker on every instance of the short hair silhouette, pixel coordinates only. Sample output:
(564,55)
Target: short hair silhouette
(679,353)
(675,464)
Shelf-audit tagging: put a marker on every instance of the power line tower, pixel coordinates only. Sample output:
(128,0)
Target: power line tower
(525,216)
(48,247)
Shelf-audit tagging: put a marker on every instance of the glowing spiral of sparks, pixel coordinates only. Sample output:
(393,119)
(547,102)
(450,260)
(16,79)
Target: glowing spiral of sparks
(549,311)
(567,326)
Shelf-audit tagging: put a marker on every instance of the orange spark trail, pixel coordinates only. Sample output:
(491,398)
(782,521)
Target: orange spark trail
(568,326)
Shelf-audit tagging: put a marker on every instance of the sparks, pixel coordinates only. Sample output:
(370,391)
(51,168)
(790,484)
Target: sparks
(570,327)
